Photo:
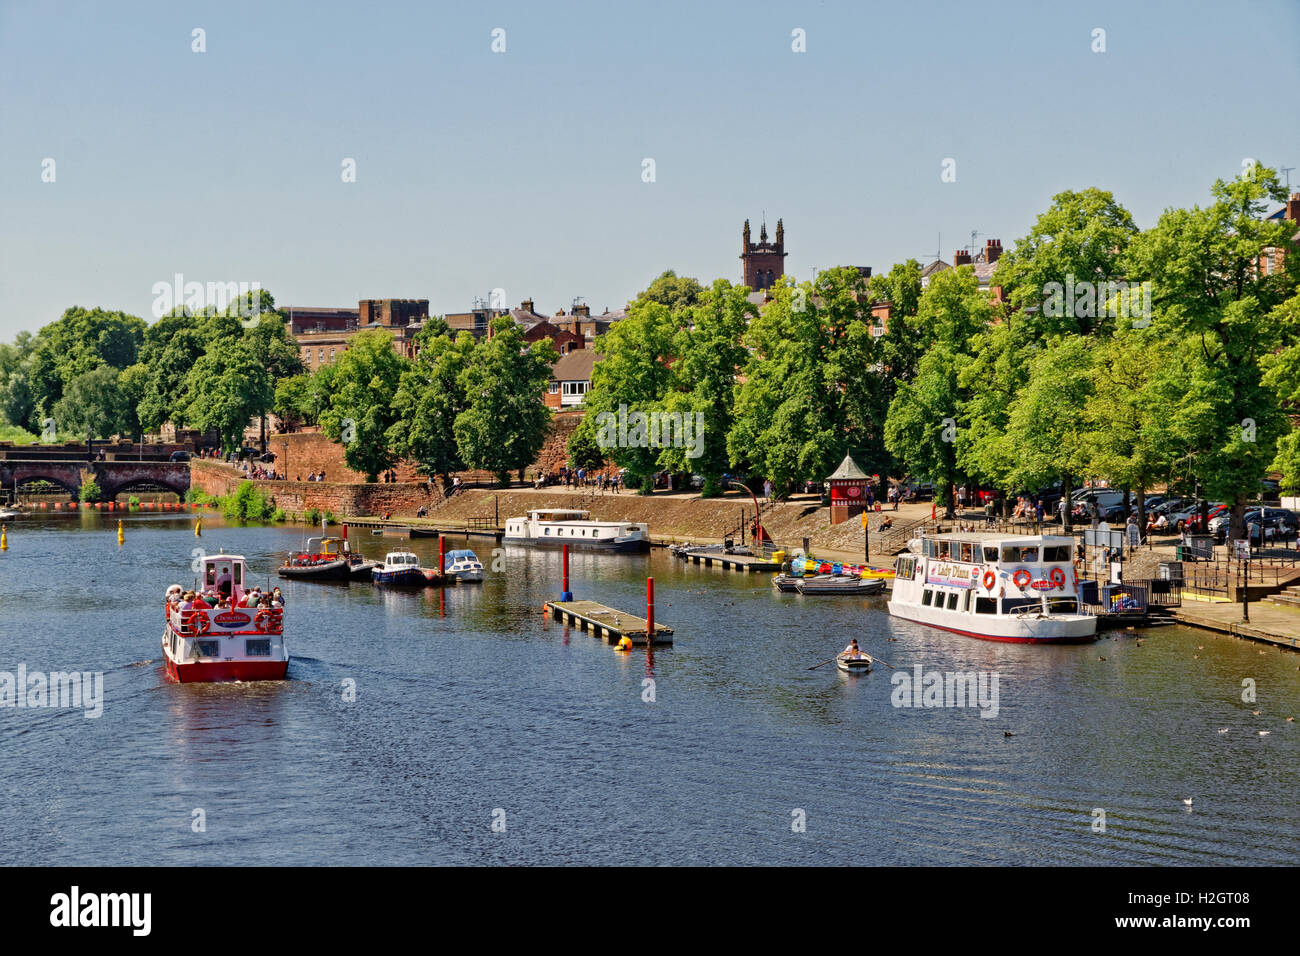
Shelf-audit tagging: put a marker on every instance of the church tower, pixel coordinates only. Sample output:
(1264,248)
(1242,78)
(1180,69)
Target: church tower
(763,261)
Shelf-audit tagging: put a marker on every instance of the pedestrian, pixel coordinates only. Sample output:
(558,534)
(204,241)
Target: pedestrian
(1133,532)
(1039,511)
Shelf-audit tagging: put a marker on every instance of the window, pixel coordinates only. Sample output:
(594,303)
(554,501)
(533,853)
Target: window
(553,388)
(322,355)
(1056,553)
(1018,605)
(967,552)
(926,596)
(331,355)
(985,605)
(965,604)
(257,648)
(1029,555)
(952,600)
(991,555)
(547,531)
(1011,555)
(206,648)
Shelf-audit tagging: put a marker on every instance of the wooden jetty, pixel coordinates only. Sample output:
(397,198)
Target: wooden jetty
(746,563)
(607,622)
(391,526)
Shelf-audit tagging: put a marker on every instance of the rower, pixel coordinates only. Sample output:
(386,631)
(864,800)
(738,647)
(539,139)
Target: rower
(852,652)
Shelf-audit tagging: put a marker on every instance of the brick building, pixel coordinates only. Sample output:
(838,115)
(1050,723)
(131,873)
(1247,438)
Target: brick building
(763,261)
(323,334)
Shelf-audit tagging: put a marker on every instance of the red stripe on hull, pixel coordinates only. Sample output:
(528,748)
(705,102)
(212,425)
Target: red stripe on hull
(207,672)
(1082,639)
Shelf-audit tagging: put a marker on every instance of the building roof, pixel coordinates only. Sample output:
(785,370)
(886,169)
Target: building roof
(849,471)
(575,367)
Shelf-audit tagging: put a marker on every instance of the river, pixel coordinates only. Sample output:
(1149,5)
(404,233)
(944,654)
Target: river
(481,733)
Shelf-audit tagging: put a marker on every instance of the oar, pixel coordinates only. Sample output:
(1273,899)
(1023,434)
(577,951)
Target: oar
(877,660)
(824,663)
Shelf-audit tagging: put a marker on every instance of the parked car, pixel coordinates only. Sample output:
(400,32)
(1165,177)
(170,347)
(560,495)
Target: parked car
(180,456)
(1282,523)
(1178,520)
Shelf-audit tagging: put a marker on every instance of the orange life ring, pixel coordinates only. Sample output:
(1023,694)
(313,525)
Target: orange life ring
(202,623)
(1021,578)
(990,579)
(1057,577)
(260,619)
(1076,579)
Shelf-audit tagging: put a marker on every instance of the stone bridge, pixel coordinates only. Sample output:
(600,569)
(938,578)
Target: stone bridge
(113,477)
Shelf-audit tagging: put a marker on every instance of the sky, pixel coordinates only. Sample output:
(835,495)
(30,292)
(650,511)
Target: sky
(523,169)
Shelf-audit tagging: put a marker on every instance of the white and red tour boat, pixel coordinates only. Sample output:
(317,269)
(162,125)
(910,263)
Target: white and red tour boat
(205,642)
(1019,588)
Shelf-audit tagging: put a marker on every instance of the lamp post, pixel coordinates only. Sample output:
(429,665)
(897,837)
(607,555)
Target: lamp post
(758,518)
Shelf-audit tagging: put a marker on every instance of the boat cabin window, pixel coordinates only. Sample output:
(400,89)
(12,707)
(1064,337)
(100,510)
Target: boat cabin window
(206,648)
(952,600)
(991,555)
(1062,605)
(257,648)
(985,605)
(945,549)
(926,596)
(1016,605)
(967,552)
(1056,552)
(1016,554)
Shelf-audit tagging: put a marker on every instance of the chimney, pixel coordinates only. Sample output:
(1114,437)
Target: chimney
(1293,207)
(582,310)
(961,258)
(526,305)
(992,250)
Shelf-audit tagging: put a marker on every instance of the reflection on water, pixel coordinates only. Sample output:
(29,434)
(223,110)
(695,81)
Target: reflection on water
(411,715)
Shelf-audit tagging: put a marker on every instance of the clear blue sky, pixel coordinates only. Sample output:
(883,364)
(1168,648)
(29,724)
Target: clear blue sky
(522,170)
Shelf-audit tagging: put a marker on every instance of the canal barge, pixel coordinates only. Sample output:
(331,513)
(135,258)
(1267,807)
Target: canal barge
(556,527)
(203,642)
(996,587)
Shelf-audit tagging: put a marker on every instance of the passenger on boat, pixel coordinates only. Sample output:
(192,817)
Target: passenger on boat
(277,599)
(853,652)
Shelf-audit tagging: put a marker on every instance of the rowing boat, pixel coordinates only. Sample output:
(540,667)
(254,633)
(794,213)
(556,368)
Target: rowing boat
(854,665)
(838,584)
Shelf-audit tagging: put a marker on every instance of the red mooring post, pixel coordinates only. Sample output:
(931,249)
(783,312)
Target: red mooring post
(565,594)
(442,554)
(649,611)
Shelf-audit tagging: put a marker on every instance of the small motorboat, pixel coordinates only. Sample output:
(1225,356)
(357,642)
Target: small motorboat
(326,559)
(854,665)
(838,584)
(785,582)
(8,515)
(401,569)
(463,565)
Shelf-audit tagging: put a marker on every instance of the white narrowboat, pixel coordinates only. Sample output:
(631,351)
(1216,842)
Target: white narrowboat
(554,527)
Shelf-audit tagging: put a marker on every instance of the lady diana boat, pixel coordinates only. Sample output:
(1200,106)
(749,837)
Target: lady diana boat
(554,527)
(1017,588)
(203,642)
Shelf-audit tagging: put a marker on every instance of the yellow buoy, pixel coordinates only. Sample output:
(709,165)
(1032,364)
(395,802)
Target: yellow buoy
(625,643)
(4,538)
(121,538)
(198,527)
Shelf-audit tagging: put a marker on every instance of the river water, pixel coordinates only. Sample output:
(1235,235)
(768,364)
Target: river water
(482,733)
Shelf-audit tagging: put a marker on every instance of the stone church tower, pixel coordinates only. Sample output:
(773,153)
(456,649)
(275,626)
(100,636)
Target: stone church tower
(763,261)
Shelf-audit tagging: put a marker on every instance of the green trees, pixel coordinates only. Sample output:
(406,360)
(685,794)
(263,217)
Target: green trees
(429,399)
(94,405)
(634,377)
(358,407)
(1210,292)
(810,384)
(506,421)
(227,388)
(921,430)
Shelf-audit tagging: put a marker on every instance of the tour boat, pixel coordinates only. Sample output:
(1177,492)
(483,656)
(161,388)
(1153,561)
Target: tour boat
(997,587)
(400,569)
(854,665)
(463,565)
(223,644)
(326,559)
(553,527)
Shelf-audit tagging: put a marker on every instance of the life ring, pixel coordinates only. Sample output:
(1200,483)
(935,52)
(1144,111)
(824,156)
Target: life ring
(202,623)
(990,579)
(1076,579)
(1057,577)
(260,619)
(1021,578)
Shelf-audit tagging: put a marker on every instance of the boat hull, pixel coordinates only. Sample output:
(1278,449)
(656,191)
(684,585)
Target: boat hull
(814,586)
(333,571)
(854,666)
(198,672)
(1063,629)
(405,578)
(610,546)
